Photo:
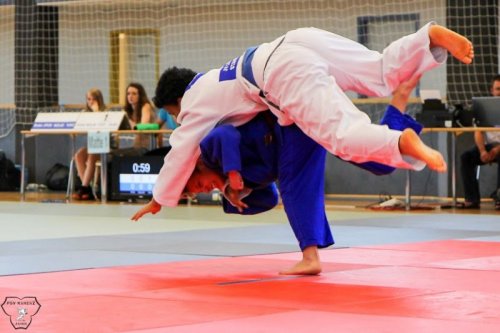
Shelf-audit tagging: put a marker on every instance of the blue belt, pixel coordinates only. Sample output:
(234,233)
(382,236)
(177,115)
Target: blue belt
(246,70)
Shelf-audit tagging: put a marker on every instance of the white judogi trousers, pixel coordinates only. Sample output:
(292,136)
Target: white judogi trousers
(308,73)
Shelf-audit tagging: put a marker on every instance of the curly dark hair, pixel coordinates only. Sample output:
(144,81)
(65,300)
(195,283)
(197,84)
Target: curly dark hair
(171,86)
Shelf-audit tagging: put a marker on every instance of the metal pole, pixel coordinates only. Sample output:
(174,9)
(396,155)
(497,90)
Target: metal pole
(72,173)
(453,169)
(23,166)
(104,178)
(408,190)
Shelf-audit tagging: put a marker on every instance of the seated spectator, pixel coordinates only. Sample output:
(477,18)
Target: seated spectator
(485,151)
(139,111)
(85,162)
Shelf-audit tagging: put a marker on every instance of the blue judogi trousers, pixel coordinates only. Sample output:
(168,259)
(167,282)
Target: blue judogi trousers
(301,180)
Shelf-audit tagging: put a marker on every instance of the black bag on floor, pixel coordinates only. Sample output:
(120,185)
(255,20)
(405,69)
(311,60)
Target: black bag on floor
(57,177)
(10,176)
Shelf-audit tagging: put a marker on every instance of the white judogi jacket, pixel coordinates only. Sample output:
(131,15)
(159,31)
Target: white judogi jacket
(303,78)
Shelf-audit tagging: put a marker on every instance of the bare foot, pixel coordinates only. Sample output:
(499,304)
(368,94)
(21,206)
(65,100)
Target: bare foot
(303,268)
(459,46)
(309,265)
(410,144)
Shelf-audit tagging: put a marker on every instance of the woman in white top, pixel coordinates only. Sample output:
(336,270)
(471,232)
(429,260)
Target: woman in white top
(85,162)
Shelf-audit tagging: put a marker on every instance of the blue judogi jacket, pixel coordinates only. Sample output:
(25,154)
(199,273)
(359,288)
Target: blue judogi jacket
(251,149)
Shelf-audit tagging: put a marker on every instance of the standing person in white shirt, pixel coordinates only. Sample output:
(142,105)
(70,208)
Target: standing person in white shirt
(301,77)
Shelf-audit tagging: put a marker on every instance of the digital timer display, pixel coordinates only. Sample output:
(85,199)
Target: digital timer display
(134,176)
(141,168)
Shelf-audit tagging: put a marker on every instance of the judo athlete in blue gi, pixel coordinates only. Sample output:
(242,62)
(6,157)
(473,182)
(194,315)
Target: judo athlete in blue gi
(261,152)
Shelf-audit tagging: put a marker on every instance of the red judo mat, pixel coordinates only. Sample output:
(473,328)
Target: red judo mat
(440,286)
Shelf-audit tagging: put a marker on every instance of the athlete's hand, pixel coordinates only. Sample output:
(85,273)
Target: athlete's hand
(151,207)
(233,196)
(235,180)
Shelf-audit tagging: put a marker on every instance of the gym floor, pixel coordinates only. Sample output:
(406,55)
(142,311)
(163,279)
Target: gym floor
(85,267)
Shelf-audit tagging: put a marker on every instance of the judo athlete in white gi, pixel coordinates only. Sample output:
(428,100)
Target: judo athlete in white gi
(261,152)
(301,77)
